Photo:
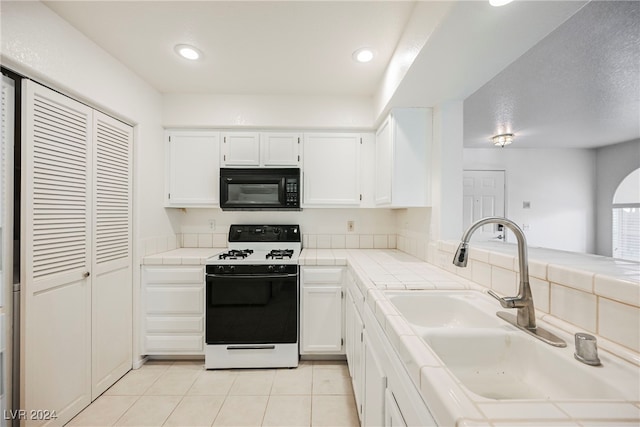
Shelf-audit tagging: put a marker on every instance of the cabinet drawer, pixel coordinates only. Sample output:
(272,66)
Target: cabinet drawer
(174,344)
(175,324)
(175,299)
(173,275)
(322,275)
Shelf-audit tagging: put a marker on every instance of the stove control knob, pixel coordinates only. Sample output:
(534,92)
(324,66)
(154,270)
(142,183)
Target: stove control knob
(282,268)
(271,268)
(220,268)
(231,269)
(277,230)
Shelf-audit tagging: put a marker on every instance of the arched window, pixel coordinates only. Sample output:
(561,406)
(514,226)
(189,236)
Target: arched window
(626,218)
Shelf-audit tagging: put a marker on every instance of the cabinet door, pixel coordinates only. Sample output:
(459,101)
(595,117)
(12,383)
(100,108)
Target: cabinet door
(173,301)
(354,329)
(193,169)
(331,169)
(375,383)
(392,415)
(384,162)
(112,283)
(280,149)
(321,319)
(241,149)
(56,253)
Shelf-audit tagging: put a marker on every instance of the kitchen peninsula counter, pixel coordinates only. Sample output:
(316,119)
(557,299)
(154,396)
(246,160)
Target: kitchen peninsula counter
(451,404)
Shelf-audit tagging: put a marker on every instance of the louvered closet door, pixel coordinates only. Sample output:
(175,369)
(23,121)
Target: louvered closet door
(56,254)
(112,263)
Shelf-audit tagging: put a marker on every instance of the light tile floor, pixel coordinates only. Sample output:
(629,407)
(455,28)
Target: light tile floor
(183,393)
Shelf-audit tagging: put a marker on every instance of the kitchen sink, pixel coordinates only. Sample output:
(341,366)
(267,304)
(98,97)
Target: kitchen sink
(445,309)
(495,360)
(499,364)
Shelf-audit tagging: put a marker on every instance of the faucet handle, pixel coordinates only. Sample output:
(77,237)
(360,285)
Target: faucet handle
(504,302)
(586,349)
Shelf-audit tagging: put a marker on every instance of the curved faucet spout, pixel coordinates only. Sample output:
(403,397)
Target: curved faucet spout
(523,302)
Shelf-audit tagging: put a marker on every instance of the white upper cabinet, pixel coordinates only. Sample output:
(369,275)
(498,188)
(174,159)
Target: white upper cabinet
(241,149)
(256,149)
(280,148)
(193,171)
(402,158)
(331,170)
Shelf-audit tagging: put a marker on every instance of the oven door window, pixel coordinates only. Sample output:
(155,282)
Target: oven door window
(251,310)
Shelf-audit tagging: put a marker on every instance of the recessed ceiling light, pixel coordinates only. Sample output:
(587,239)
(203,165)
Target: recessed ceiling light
(363,55)
(188,52)
(498,3)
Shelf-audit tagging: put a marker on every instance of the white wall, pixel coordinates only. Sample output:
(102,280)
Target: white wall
(560,186)
(39,44)
(446,171)
(613,164)
(267,112)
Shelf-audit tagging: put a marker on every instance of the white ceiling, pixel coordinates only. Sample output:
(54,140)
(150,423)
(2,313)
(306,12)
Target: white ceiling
(257,48)
(578,87)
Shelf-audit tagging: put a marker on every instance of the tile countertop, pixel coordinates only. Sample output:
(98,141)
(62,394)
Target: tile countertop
(450,403)
(182,256)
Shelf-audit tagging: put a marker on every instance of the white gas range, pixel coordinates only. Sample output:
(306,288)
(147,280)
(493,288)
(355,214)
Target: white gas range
(252,299)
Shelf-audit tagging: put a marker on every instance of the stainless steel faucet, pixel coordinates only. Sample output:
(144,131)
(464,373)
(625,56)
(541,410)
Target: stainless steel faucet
(523,302)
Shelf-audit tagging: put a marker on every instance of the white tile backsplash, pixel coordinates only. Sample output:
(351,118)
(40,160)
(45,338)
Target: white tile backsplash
(574,306)
(569,276)
(540,291)
(503,281)
(338,241)
(352,241)
(205,240)
(323,241)
(366,241)
(480,272)
(189,240)
(380,241)
(348,241)
(618,288)
(619,322)
(502,260)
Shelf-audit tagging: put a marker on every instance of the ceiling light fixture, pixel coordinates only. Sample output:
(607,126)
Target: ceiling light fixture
(363,55)
(502,139)
(188,52)
(498,3)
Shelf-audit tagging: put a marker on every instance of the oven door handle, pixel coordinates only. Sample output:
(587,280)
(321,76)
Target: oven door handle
(253,276)
(251,347)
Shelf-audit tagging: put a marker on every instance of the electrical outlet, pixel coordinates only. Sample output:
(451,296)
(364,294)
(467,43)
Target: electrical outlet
(212,224)
(350,226)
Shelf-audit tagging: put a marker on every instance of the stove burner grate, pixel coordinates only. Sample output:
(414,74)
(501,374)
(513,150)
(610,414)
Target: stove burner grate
(236,254)
(280,254)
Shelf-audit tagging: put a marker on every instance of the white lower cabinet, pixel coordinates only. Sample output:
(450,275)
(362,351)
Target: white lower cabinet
(173,322)
(354,346)
(385,394)
(392,415)
(375,385)
(321,311)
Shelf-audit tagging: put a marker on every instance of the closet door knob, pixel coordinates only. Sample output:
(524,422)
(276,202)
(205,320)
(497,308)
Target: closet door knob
(86,274)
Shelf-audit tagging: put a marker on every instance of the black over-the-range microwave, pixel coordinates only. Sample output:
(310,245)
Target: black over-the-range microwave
(253,189)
